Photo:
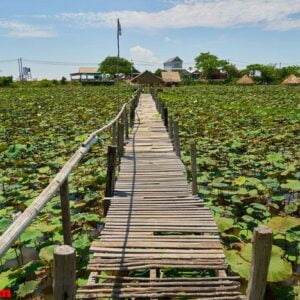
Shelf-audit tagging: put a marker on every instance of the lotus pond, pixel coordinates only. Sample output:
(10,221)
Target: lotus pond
(248,156)
(40,129)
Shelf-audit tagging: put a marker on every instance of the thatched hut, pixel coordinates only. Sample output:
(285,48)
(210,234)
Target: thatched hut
(245,80)
(291,80)
(171,78)
(147,78)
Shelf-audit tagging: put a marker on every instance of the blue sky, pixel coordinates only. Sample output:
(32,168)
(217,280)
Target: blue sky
(80,32)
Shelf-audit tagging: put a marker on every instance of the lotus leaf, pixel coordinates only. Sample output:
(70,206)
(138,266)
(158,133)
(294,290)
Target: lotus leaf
(282,224)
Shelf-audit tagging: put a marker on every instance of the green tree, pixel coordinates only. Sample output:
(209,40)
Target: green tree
(289,70)
(158,72)
(268,73)
(110,65)
(210,63)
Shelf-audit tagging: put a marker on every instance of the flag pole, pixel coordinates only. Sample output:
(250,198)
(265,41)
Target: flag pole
(118,67)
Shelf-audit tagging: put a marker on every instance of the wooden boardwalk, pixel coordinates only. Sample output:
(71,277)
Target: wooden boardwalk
(155,223)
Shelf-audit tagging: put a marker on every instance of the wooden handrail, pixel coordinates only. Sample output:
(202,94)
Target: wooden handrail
(24,220)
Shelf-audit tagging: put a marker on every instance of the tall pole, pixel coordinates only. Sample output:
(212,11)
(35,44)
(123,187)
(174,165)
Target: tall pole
(118,67)
(21,65)
(19,69)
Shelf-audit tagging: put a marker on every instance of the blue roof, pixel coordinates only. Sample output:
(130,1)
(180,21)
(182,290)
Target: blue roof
(176,58)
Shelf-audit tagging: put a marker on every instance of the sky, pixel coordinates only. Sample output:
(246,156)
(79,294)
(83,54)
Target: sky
(55,37)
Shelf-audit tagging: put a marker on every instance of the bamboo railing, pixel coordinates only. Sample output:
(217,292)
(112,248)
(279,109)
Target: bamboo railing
(60,182)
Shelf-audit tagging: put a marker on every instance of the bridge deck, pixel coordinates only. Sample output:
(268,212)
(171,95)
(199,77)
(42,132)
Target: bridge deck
(155,223)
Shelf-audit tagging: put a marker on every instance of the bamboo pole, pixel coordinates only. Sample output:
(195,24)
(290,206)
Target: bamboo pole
(65,211)
(261,255)
(64,282)
(193,152)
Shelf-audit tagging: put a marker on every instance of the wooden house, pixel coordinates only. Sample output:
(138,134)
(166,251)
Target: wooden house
(147,78)
(173,63)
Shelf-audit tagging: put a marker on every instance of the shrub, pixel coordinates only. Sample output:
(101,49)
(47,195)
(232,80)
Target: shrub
(6,80)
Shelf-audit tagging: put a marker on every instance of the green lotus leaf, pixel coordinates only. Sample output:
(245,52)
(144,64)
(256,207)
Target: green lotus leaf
(82,242)
(240,262)
(224,224)
(240,180)
(44,170)
(282,224)
(30,234)
(292,184)
(27,288)
(275,157)
(46,253)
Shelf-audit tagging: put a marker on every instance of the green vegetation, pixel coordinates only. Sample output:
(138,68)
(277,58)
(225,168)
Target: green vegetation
(113,65)
(249,166)
(209,64)
(40,129)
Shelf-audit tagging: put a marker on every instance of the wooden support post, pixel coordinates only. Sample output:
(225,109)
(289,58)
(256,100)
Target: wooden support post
(111,170)
(261,255)
(176,138)
(171,132)
(126,124)
(193,151)
(120,139)
(165,113)
(132,114)
(64,282)
(114,133)
(65,211)
(105,206)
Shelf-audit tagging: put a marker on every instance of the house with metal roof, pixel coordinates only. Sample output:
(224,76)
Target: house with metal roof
(173,63)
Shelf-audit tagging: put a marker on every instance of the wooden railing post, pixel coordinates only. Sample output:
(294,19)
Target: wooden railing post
(176,138)
(65,210)
(64,282)
(165,113)
(110,176)
(171,130)
(120,139)
(132,113)
(126,124)
(261,255)
(114,133)
(193,152)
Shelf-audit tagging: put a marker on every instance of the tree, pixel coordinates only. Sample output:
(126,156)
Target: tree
(158,72)
(110,65)
(210,63)
(287,71)
(268,73)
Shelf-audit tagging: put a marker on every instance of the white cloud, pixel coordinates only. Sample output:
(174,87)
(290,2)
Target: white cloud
(144,57)
(269,14)
(170,40)
(22,30)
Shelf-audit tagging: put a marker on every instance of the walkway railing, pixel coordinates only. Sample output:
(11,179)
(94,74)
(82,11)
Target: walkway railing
(60,182)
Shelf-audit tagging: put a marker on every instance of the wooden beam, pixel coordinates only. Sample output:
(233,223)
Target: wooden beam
(65,211)
(64,281)
(261,255)
(193,153)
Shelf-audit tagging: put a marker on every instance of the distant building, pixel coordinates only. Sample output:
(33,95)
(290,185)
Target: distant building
(147,78)
(86,74)
(173,63)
